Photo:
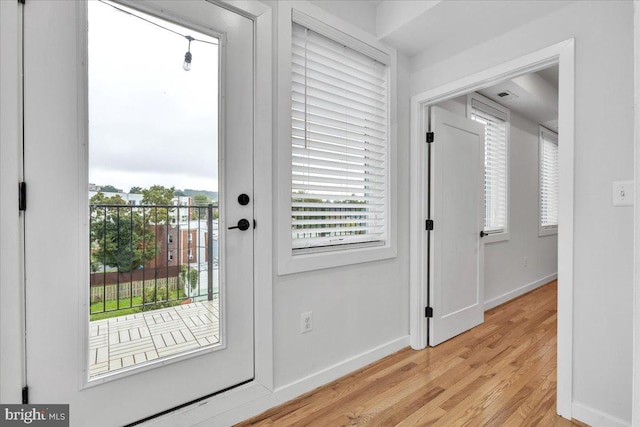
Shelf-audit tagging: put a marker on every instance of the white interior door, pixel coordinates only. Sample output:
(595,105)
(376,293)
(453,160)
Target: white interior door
(456,286)
(185,344)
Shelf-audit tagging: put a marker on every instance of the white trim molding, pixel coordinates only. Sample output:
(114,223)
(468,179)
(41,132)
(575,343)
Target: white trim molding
(593,417)
(259,400)
(12,327)
(326,24)
(562,53)
(496,301)
(635,417)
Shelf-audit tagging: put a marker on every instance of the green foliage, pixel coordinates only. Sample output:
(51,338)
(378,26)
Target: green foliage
(135,190)
(190,276)
(155,294)
(213,195)
(150,301)
(109,189)
(120,237)
(100,199)
(201,200)
(157,195)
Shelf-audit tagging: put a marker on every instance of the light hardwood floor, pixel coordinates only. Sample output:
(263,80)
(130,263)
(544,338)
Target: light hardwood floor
(501,373)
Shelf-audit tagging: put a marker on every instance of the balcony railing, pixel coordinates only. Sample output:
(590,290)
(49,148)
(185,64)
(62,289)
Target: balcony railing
(150,257)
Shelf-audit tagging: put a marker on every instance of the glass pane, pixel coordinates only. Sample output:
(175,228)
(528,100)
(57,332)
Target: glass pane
(153,189)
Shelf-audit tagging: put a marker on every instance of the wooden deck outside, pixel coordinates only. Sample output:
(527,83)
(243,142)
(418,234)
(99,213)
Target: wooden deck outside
(124,341)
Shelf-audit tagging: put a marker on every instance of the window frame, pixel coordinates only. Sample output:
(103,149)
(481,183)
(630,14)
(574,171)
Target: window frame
(504,235)
(323,23)
(548,230)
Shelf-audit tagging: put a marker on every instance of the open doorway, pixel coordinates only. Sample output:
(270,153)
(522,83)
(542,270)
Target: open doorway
(520,227)
(562,54)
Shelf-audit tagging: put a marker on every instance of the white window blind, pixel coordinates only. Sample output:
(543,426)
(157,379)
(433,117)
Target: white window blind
(548,179)
(495,160)
(339,144)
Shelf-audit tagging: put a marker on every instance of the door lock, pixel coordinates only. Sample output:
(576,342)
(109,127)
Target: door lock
(243,225)
(243,199)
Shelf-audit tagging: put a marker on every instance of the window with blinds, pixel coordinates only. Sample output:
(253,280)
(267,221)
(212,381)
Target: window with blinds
(548,179)
(339,144)
(496,123)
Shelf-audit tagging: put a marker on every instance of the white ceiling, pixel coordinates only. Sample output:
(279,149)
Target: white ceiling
(550,75)
(534,96)
(424,27)
(429,28)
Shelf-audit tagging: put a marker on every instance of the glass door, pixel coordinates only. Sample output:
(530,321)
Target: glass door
(138,158)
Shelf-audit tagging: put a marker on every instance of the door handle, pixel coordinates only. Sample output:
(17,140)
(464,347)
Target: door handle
(243,225)
(482,233)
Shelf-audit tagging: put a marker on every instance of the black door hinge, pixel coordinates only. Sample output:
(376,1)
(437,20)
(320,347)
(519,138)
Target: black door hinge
(21,1)
(22,196)
(429,137)
(428,312)
(25,395)
(429,225)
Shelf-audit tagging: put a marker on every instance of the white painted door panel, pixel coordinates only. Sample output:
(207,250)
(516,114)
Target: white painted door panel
(456,291)
(57,237)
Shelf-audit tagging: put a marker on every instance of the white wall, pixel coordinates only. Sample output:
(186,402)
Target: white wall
(355,308)
(603,245)
(359,13)
(505,275)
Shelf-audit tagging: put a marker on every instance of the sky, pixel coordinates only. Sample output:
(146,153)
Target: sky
(150,121)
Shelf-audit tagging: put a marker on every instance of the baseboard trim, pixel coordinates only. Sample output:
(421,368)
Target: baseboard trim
(593,417)
(252,399)
(494,302)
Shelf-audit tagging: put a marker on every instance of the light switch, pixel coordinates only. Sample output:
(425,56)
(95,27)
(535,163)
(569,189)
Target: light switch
(623,193)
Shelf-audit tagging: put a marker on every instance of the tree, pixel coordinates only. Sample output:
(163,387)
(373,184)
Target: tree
(100,199)
(109,189)
(135,190)
(158,195)
(189,277)
(179,193)
(201,200)
(120,236)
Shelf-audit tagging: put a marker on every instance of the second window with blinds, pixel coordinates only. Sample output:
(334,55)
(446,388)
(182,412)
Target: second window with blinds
(339,142)
(496,120)
(549,180)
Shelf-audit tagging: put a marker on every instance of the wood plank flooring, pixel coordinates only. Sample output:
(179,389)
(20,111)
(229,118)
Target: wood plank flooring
(501,373)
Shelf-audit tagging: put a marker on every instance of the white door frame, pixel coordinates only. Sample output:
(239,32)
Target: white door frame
(563,54)
(635,415)
(11,297)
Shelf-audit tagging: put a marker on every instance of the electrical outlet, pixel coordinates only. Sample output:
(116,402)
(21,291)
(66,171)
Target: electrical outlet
(306,322)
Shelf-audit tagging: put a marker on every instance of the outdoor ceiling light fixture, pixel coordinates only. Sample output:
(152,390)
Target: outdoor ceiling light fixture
(187,56)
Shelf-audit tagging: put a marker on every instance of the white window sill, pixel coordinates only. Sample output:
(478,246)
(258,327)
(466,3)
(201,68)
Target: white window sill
(320,260)
(495,237)
(547,231)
